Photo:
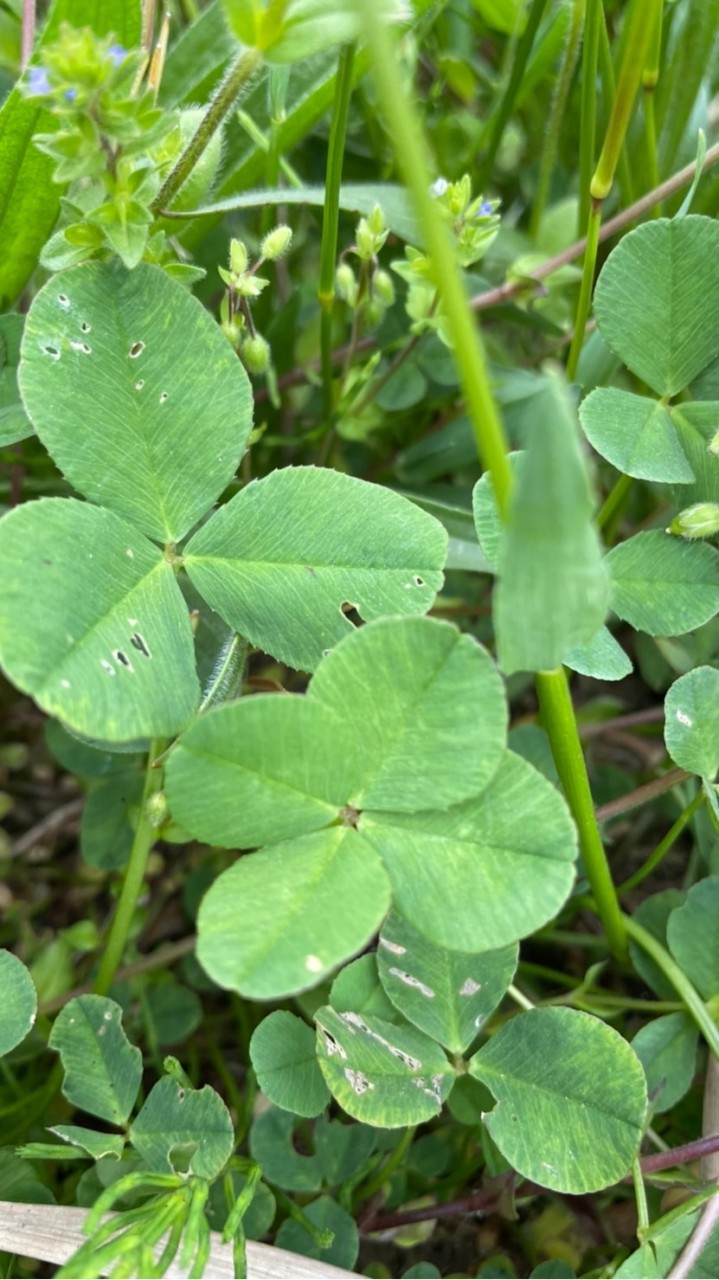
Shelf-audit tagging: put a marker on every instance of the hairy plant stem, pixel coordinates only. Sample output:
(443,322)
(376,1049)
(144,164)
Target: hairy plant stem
(330,220)
(669,967)
(145,836)
(240,72)
(560,722)
(664,845)
(593,19)
(559,102)
(411,158)
(509,97)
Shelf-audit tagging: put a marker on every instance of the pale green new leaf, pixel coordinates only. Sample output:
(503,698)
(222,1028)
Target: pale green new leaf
(691,722)
(505,861)
(652,303)
(279,561)
(278,921)
(14,423)
(94,1143)
(19,1001)
(381,1073)
(667,1049)
(102,1069)
(427,712)
(486,512)
(635,434)
(136,393)
(447,994)
(283,1055)
(92,622)
(261,770)
(552,592)
(693,936)
(664,585)
(571,1098)
(192,1124)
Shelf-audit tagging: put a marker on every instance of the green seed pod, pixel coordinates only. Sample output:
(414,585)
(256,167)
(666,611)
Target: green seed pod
(255,354)
(383,287)
(346,283)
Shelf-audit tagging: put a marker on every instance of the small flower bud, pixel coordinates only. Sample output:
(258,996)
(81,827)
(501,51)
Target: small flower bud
(346,283)
(699,521)
(156,810)
(238,257)
(383,287)
(255,354)
(276,243)
(371,234)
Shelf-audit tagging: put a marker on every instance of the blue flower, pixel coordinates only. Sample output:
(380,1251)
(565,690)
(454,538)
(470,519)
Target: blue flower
(117,54)
(485,210)
(71,94)
(38,84)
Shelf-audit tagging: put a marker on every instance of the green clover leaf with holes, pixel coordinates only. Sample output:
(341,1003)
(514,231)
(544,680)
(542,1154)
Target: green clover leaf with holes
(145,408)
(389,781)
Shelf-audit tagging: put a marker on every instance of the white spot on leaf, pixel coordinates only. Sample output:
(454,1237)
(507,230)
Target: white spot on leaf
(395,947)
(358,1081)
(354,1020)
(684,719)
(410,981)
(107,666)
(136,350)
(469,987)
(314,964)
(63,300)
(129,552)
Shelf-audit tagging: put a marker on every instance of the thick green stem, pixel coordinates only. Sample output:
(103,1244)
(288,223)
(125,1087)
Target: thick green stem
(330,219)
(237,77)
(412,162)
(560,723)
(556,114)
(506,106)
(690,998)
(613,502)
(585,292)
(145,836)
(588,109)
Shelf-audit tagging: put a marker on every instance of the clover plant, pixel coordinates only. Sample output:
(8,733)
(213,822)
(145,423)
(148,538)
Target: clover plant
(255,461)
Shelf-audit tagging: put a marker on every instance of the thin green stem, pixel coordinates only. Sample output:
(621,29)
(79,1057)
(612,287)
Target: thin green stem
(690,998)
(650,80)
(560,723)
(240,72)
(469,351)
(594,17)
(556,113)
(395,1159)
(640,1196)
(613,502)
(330,219)
(641,19)
(145,836)
(664,845)
(609,88)
(585,293)
(509,97)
